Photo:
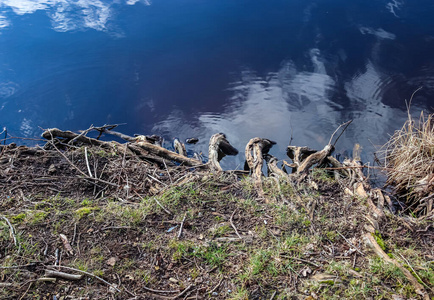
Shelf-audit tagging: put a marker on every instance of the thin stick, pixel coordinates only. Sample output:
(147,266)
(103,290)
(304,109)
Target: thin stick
(233,225)
(84,132)
(87,162)
(274,294)
(159,291)
(414,272)
(345,125)
(75,232)
(167,170)
(302,260)
(217,286)
(182,225)
(183,292)
(161,205)
(351,244)
(12,230)
(152,177)
(88,274)
(63,275)
(80,171)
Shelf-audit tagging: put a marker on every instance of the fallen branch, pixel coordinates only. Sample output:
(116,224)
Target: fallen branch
(88,274)
(51,133)
(182,225)
(183,292)
(66,276)
(419,289)
(12,231)
(166,154)
(160,291)
(233,225)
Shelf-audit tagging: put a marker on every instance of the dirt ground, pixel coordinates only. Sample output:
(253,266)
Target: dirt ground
(132,229)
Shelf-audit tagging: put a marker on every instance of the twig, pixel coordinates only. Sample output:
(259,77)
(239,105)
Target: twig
(67,276)
(182,225)
(345,125)
(12,230)
(217,286)
(80,171)
(351,244)
(88,274)
(419,289)
(75,232)
(302,260)
(165,210)
(159,291)
(84,132)
(414,272)
(183,292)
(22,296)
(274,294)
(233,225)
(167,170)
(87,162)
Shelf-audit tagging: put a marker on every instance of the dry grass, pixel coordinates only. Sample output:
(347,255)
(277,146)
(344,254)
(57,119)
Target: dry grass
(409,158)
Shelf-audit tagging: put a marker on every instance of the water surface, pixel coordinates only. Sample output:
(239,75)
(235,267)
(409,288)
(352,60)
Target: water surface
(284,70)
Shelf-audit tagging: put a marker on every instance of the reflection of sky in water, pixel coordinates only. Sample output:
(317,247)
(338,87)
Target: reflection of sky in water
(67,15)
(296,104)
(189,68)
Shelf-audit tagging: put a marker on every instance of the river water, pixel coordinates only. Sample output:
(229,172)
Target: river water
(287,70)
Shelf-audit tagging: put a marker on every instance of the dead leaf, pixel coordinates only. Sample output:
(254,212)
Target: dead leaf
(111,261)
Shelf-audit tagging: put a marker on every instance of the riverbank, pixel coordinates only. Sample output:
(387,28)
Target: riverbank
(85,219)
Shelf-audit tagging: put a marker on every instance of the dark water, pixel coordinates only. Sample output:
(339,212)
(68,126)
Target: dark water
(275,69)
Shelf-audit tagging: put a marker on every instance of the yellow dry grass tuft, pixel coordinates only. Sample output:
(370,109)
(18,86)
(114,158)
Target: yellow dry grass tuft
(409,158)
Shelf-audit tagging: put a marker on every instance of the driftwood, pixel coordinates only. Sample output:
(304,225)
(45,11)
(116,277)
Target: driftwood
(169,155)
(273,169)
(419,289)
(52,133)
(255,150)
(179,147)
(219,147)
(67,276)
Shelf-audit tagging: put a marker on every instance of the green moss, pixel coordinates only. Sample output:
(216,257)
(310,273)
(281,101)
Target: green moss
(84,211)
(37,217)
(18,218)
(379,240)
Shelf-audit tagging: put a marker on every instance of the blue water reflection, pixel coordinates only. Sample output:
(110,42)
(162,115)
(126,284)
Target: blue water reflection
(277,69)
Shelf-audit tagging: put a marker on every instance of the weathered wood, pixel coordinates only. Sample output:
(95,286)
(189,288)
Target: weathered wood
(273,169)
(52,133)
(164,153)
(254,159)
(298,155)
(179,147)
(219,147)
(315,158)
(147,156)
(419,289)
(63,275)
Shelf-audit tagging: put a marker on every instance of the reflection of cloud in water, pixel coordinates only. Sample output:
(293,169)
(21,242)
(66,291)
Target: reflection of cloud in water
(68,15)
(27,128)
(298,104)
(3,22)
(394,5)
(380,33)
(7,89)
(372,120)
(285,103)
